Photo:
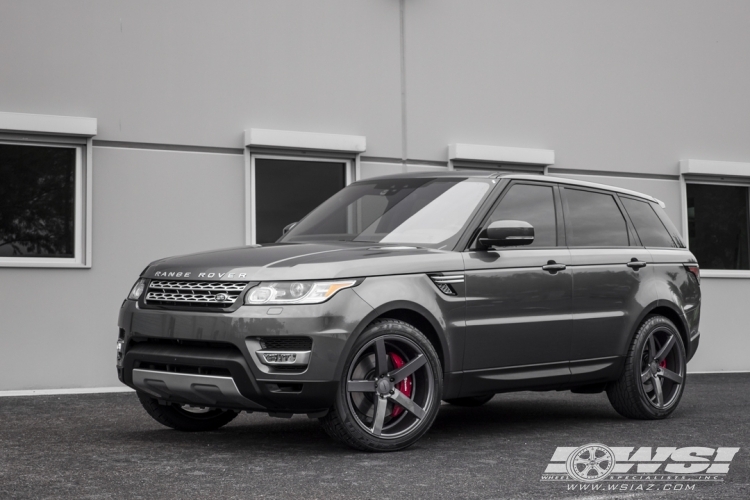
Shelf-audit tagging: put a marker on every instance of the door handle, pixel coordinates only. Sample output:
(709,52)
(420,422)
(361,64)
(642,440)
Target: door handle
(552,267)
(636,264)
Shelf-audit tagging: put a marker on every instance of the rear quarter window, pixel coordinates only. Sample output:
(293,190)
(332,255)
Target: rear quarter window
(648,225)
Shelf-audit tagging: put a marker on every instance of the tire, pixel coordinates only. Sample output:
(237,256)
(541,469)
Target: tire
(655,363)
(393,412)
(470,401)
(182,419)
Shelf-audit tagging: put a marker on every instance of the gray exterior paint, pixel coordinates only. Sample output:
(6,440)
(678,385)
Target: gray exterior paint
(621,90)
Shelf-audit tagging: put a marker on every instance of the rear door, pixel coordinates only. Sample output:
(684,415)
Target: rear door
(518,305)
(612,281)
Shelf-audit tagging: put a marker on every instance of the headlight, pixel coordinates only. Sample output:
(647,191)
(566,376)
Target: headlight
(137,289)
(296,292)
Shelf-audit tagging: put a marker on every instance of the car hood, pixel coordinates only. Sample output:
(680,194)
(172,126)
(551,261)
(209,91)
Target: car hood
(305,261)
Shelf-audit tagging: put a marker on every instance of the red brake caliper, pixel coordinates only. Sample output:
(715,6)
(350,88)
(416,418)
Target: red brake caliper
(663,363)
(405,386)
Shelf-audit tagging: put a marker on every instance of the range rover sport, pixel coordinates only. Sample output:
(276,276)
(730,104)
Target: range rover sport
(399,292)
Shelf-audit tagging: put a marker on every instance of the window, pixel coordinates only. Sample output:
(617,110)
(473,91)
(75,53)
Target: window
(594,220)
(718,225)
(424,212)
(289,173)
(287,190)
(45,190)
(647,224)
(41,204)
(534,204)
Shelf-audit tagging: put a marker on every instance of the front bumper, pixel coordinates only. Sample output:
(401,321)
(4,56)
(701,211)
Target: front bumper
(210,359)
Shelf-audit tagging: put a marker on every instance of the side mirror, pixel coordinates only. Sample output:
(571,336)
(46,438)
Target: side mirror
(288,228)
(507,233)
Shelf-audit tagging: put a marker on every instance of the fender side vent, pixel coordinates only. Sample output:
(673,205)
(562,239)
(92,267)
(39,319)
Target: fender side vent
(444,282)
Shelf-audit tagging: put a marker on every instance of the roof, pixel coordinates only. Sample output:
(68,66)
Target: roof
(465,174)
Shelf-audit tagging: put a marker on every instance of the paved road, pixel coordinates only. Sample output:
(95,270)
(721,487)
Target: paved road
(105,446)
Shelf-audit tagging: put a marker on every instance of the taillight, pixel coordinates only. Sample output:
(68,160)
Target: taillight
(695,270)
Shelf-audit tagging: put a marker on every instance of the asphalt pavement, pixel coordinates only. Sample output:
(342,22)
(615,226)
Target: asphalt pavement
(105,446)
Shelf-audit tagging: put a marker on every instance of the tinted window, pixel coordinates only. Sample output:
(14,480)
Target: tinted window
(676,237)
(594,220)
(533,204)
(647,224)
(37,201)
(718,225)
(287,190)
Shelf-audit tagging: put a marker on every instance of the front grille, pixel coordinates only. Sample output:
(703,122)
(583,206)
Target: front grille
(194,293)
(286,343)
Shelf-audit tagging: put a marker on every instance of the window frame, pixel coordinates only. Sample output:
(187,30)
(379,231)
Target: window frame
(351,174)
(719,181)
(725,173)
(83,196)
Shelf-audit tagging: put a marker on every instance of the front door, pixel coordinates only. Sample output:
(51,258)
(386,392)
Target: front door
(518,299)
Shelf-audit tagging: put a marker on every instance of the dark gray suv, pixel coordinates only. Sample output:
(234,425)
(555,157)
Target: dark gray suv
(400,292)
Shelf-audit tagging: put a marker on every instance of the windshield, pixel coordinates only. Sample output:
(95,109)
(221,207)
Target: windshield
(421,212)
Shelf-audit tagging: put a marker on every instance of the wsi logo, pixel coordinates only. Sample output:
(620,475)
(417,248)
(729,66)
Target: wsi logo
(597,462)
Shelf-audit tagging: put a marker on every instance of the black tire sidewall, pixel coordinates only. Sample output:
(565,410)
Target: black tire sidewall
(363,439)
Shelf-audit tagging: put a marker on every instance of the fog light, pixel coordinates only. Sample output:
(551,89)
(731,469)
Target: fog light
(280,357)
(120,349)
(276,358)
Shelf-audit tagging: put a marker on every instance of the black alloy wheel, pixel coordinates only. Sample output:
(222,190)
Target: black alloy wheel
(662,368)
(653,380)
(391,389)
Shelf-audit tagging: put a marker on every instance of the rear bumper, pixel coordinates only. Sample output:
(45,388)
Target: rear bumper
(210,359)
(693,345)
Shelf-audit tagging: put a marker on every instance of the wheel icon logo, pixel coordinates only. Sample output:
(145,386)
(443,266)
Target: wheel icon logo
(590,463)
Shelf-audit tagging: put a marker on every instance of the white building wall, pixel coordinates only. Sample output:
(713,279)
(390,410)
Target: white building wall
(200,73)
(618,86)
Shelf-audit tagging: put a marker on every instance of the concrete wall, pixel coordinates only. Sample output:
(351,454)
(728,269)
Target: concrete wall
(620,90)
(620,86)
(200,73)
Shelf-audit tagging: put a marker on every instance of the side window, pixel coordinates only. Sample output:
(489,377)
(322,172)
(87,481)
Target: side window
(647,224)
(534,204)
(594,220)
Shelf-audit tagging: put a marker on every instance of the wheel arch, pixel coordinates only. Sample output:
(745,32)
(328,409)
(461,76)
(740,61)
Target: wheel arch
(408,312)
(670,311)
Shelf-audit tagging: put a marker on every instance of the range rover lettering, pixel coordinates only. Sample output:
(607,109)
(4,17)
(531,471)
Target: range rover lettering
(401,292)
